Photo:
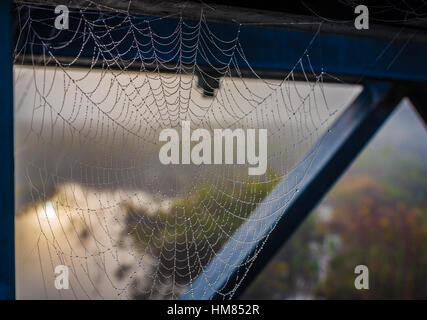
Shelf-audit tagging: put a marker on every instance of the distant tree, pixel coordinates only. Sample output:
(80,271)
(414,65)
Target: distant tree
(380,231)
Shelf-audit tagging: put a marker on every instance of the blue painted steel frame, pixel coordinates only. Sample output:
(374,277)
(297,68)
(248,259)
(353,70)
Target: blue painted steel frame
(7,200)
(343,55)
(354,56)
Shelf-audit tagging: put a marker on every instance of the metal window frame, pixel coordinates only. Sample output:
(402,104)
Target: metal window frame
(346,55)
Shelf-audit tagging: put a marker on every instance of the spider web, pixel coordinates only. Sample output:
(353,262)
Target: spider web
(91,192)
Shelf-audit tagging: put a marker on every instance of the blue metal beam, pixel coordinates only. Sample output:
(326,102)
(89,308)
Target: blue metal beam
(287,206)
(7,200)
(270,51)
(418,96)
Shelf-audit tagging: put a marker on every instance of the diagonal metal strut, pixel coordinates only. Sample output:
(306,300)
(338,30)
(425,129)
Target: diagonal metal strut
(241,259)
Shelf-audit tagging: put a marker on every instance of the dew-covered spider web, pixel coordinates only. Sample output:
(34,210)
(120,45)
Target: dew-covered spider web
(92,195)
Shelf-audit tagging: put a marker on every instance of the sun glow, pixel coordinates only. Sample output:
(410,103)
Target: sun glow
(48,211)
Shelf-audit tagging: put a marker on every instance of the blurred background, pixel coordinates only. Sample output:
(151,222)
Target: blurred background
(376,215)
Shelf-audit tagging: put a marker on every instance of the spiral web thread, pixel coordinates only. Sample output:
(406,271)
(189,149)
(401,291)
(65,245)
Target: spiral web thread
(89,179)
